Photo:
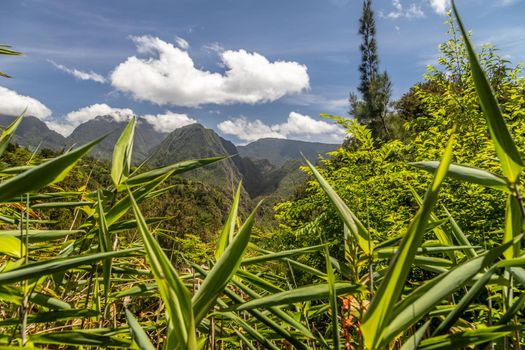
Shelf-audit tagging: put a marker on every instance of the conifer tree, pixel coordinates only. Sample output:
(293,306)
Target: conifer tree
(375,88)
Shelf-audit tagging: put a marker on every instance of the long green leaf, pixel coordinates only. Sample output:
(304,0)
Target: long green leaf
(104,244)
(468,174)
(466,338)
(508,154)
(298,295)
(173,169)
(455,314)
(380,312)
(412,343)
(223,271)
(45,174)
(280,255)
(122,153)
(12,246)
(357,229)
(513,226)
(81,338)
(36,236)
(332,297)
(431,293)
(9,132)
(52,266)
(139,336)
(229,227)
(176,297)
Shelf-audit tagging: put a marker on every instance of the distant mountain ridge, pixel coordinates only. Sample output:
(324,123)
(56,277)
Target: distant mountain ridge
(266,166)
(33,133)
(146,137)
(279,151)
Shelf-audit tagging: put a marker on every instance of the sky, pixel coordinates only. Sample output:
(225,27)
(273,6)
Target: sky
(245,68)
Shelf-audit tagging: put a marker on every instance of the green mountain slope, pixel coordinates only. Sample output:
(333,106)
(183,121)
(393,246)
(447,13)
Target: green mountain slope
(32,132)
(279,151)
(146,137)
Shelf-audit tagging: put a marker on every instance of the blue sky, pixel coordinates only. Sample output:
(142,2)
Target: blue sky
(245,68)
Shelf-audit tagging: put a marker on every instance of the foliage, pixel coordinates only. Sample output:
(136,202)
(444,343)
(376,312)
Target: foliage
(6,50)
(375,88)
(402,271)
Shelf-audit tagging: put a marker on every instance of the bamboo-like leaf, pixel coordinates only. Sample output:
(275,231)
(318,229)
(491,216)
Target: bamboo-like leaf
(508,154)
(223,271)
(466,338)
(413,342)
(455,314)
(105,245)
(469,174)
(15,296)
(513,226)
(280,255)
(122,153)
(431,293)
(52,316)
(6,50)
(229,227)
(173,169)
(176,297)
(45,174)
(122,206)
(80,338)
(282,331)
(36,236)
(251,331)
(57,205)
(139,336)
(298,295)
(9,132)
(357,229)
(378,316)
(332,297)
(460,237)
(12,246)
(52,266)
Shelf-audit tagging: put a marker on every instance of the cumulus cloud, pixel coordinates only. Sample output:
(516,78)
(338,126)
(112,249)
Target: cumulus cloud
(75,118)
(400,11)
(82,75)
(169,77)
(168,121)
(440,6)
(12,103)
(297,126)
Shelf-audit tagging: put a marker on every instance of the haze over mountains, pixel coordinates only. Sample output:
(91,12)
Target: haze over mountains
(266,166)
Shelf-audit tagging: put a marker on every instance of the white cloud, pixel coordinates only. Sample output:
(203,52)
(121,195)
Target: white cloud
(440,6)
(248,130)
(12,103)
(75,118)
(168,121)
(171,78)
(183,44)
(82,75)
(297,126)
(400,11)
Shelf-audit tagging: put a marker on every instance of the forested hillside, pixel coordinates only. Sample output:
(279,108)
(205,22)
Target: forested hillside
(407,236)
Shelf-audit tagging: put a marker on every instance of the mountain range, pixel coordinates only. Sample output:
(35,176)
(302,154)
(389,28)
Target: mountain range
(266,166)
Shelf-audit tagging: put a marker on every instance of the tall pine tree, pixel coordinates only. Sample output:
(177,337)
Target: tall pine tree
(375,88)
(369,61)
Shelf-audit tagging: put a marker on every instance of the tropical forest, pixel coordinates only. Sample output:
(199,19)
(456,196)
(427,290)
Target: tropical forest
(396,223)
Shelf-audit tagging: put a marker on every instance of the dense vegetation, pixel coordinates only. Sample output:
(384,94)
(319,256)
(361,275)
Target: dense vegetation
(383,247)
